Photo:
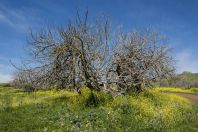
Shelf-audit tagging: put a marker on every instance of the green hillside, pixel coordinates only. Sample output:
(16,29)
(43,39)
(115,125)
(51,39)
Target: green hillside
(188,76)
(183,80)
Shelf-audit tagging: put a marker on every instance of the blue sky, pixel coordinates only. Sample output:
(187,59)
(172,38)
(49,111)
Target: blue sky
(176,19)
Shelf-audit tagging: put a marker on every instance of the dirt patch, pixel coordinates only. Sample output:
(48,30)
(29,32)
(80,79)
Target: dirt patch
(192,97)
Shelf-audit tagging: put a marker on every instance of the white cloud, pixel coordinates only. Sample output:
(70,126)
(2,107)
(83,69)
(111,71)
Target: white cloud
(5,19)
(187,61)
(2,17)
(13,18)
(19,19)
(6,70)
(4,78)
(5,73)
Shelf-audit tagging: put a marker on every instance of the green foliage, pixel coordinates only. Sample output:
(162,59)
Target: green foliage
(194,90)
(191,77)
(183,80)
(149,111)
(4,85)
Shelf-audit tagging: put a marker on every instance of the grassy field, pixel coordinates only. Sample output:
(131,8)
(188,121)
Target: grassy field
(179,90)
(150,111)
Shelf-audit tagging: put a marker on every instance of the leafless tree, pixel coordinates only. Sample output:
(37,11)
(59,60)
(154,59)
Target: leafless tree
(24,79)
(72,57)
(142,59)
(87,54)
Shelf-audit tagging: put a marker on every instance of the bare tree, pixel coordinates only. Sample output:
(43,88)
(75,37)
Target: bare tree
(85,54)
(72,57)
(24,79)
(142,59)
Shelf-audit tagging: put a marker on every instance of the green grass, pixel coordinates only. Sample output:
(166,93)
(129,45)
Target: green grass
(180,90)
(192,124)
(150,111)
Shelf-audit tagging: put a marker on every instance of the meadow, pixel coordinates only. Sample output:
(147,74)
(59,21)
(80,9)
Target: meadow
(179,90)
(150,111)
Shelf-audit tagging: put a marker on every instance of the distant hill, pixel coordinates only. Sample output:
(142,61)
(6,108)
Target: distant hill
(4,85)
(183,80)
(188,76)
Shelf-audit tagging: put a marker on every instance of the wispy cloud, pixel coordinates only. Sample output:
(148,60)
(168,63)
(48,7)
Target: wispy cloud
(5,19)
(19,19)
(2,17)
(4,75)
(5,78)
(14,20)
(187,61)
(6,69)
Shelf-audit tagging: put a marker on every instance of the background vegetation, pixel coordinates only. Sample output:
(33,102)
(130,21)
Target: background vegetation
(183,80)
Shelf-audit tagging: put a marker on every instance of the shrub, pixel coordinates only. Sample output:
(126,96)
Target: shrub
(194,90)
(4,85)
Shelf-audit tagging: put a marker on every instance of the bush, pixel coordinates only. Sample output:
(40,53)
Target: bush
(194,90)
(4,85)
